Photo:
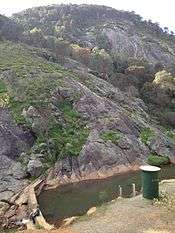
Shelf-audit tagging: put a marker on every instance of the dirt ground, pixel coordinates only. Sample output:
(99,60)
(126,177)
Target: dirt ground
(128,216)
(123,216)
(45,231)
(134,215)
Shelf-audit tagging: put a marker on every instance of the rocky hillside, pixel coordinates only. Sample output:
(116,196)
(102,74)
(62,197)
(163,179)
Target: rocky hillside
(78,105)
(124,33)
(9,29)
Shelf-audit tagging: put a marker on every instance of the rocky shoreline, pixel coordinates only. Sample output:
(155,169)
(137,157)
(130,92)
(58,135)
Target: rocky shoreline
(20,205)
(52,183)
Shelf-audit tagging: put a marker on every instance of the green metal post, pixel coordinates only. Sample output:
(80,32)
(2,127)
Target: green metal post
(150,181)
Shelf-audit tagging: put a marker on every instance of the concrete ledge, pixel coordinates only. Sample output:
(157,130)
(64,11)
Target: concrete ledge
(167,181)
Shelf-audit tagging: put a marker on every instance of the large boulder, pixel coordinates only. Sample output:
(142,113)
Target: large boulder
(162,145)
(34,168)
(169,118)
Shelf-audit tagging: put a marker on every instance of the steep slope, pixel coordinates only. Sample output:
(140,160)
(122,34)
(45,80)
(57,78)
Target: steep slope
(14,140)
(117,46)
(83,125)
(9,29)
(123,33)
(19,67)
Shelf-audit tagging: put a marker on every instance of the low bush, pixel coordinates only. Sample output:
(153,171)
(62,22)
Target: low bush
(157,160)
(146,135)
(111,135)
(63,140)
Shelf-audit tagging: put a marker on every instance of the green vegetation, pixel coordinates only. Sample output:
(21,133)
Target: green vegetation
(16,110)
(3,88)
(158,160)
(10,30)
(36,80)
(63,139)
(146,135)
(111,135)
(31,76)
(4,97)
(23,60)
(37,93)
(120,62)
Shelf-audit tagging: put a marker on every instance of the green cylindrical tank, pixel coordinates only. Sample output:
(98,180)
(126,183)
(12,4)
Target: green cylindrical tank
(150,181)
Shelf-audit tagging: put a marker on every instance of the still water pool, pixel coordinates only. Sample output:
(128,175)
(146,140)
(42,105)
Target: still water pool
(76,199)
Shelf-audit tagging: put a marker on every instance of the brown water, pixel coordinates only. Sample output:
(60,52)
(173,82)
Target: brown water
(76,199)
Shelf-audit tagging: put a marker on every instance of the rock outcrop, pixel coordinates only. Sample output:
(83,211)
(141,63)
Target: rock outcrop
(121,32)
(104,154)
(13,141)
(34,168)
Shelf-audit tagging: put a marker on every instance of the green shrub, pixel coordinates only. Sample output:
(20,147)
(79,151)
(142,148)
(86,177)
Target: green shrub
(111,135)
(16,110)
(157,160)
(4,97)
(37,80)
(146,135)
(63,139)
(2,87)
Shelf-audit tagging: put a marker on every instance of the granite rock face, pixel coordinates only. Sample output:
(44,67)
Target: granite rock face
(117,113)
(12,177)
(121,32)
(13,141)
